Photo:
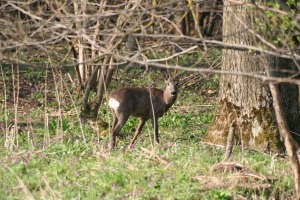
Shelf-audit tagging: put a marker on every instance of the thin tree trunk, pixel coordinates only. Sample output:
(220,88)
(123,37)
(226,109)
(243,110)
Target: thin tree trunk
(290,144)
(104,80)
(77,11)
(208,31)
(289,93)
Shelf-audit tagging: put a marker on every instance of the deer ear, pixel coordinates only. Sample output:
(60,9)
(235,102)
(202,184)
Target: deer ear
(165,74)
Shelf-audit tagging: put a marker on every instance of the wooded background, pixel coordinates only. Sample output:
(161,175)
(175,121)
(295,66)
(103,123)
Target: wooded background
(96,39)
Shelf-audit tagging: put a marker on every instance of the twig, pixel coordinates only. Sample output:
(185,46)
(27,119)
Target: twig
(229,144)
(155,156)
(228,167)
(256,186)
(212,182)
(213,145)
(27,193)
(253,176)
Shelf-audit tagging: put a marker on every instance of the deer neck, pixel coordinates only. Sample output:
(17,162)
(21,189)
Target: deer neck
(168,98)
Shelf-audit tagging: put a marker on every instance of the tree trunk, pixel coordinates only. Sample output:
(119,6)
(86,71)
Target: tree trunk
(243,100)
(289,93)
(90,106)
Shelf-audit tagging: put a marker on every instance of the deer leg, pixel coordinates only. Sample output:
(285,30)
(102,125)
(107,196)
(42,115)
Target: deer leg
(154,121)
(137,131)
(113,136)
(115,121)
(119,122)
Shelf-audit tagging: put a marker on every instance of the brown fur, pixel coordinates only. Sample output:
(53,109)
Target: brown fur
(137,102)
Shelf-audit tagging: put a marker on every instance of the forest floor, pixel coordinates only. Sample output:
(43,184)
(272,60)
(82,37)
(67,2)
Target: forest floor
(47,153)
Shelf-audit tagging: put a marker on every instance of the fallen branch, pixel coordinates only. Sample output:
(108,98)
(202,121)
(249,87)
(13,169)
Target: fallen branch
(253,176)
(229,167)
(211,182)
(213,145)
(155,157)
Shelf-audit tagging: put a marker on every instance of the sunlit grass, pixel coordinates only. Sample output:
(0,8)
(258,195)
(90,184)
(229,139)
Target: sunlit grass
(56,159)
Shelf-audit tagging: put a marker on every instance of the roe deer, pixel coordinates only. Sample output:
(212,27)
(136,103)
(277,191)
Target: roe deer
(145,103)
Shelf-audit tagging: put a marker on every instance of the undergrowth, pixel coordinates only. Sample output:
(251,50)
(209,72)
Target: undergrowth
(54,156)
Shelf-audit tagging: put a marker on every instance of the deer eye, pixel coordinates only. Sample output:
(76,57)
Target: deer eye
(176,83)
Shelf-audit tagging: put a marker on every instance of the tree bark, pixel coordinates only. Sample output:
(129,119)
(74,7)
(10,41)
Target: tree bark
(244,100)
(289,93)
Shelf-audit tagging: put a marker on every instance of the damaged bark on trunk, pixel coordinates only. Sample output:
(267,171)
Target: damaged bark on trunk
(246,101)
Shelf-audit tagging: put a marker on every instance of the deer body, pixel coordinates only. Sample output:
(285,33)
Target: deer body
(145,103)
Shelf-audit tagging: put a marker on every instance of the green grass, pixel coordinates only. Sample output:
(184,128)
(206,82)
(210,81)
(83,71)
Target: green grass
(59,160)
(71,170)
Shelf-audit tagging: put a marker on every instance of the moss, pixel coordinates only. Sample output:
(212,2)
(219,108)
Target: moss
(224,117)
(257,130)
(269,135)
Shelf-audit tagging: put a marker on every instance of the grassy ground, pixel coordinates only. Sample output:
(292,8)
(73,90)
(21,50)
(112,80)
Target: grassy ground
(52,156)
